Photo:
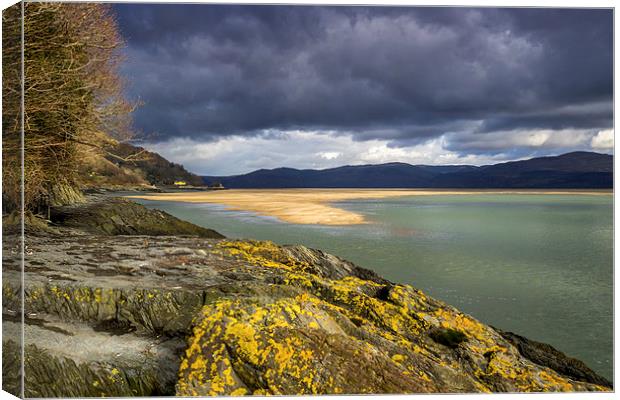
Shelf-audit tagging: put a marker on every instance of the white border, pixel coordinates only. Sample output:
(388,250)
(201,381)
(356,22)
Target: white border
(475,3)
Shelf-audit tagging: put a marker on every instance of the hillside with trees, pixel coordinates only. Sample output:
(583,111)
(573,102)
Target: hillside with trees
(126,165)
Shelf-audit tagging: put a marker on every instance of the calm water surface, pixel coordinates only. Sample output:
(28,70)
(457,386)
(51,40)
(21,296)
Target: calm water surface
(538,265)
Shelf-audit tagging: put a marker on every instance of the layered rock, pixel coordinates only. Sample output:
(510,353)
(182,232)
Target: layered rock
(116,216)
(146,315)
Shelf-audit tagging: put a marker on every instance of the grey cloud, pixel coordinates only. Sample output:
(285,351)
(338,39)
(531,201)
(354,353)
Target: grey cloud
(400,74)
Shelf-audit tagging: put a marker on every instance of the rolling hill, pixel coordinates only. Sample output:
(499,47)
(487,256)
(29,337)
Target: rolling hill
(578,170)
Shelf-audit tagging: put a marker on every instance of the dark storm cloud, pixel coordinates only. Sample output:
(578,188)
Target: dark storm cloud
(400,74)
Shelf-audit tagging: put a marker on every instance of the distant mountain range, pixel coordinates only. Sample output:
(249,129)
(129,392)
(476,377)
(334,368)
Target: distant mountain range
(577,170)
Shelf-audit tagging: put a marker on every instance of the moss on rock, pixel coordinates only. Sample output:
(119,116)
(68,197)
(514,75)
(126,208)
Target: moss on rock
(448,337)
(114,216)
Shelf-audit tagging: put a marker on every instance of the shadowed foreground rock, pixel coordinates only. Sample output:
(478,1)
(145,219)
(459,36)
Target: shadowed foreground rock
(547,355)
(144,315)
(115,216)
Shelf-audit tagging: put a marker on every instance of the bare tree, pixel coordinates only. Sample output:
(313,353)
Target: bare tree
(73,96)
(11,107)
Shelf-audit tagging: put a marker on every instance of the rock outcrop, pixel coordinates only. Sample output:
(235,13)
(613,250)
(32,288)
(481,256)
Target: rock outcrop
(145,315)
(116,216)
(547,355)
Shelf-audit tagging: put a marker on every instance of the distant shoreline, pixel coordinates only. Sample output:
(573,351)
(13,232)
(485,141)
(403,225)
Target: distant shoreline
(314,206)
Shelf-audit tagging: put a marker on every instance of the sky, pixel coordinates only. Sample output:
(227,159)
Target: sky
(231,89)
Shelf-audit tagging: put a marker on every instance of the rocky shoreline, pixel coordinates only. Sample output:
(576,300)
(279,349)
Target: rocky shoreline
(125,301)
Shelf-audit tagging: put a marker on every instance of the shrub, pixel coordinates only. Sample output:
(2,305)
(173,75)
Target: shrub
(448,337)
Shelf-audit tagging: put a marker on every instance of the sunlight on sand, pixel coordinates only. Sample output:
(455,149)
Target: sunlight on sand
(312,206)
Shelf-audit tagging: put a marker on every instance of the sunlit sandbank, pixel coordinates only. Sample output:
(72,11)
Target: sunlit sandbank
(314,206)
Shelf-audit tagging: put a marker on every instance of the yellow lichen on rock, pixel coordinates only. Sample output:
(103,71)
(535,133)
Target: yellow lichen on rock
(251,335)
(262,253)
(313,334)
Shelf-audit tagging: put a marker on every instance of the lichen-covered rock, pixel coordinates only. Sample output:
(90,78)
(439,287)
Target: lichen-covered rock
(544,354)
(11,281)
(319,333)
(75,360)
(144,315)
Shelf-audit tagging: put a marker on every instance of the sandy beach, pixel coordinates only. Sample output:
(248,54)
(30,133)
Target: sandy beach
(314,206)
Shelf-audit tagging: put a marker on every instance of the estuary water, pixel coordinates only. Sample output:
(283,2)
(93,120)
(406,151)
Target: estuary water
(538,265)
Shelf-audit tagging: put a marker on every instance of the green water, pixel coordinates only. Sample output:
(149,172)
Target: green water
(537,265)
